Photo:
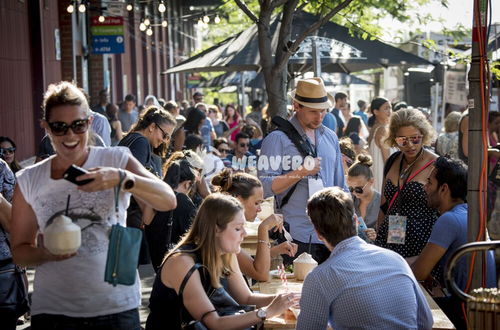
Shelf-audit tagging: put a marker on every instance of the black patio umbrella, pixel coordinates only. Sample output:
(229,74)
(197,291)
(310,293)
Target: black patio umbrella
(340,52)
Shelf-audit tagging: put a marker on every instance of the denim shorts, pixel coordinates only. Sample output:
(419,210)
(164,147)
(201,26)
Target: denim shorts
(128,320)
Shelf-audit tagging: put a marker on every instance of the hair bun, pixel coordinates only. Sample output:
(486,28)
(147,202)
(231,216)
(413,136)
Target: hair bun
(364,159)
(223,180)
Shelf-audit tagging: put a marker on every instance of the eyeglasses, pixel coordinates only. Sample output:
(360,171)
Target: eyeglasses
(60,128)
(402,141)
(244,145)
(224,151)
(165,134)
(358,190)
(7,150)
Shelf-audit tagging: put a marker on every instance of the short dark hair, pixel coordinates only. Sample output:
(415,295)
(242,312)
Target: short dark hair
(453,172)
(331,211)
(256,104)
(361,103)
(130,98)
(241,135)
(193,141)
(340,96)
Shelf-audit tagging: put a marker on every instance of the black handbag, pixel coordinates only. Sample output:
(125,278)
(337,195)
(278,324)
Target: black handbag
(13,293)
(224,304)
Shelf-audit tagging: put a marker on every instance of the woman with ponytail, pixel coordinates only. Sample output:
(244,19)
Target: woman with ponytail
(166,228)
(248,190)
(360,182)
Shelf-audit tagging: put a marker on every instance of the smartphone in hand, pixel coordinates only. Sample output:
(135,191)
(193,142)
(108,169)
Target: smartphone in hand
(73,172)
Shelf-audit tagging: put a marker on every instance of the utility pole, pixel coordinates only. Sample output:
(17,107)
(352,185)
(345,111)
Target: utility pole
(476,146)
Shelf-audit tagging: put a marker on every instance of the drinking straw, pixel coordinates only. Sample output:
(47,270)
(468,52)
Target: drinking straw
(309,247)
(67,205)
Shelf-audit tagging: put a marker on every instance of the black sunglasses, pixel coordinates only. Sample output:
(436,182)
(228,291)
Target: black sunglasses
(224,150)
(60,128)
(165,134)
(357,190)
(7,150)
(244,145)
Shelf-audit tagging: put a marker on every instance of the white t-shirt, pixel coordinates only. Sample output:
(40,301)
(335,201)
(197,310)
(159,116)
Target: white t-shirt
(75,287)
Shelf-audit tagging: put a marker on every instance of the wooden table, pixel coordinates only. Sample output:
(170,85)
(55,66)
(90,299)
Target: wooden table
(275,285)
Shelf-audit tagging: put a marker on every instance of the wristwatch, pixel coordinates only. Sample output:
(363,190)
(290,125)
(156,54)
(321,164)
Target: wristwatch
(128,182)
(262,314)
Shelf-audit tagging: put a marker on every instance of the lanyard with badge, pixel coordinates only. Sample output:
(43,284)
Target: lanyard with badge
(396,233)
(314,183)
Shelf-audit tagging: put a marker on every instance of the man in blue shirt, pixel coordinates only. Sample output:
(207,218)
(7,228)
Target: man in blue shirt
(446,190)
(361,285)
(340,102)
(310,101)
(362,111)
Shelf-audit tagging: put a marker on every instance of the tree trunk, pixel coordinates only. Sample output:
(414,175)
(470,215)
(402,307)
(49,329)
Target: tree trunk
(276,88)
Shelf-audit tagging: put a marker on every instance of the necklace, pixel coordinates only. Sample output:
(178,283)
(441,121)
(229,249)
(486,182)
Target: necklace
(408,169)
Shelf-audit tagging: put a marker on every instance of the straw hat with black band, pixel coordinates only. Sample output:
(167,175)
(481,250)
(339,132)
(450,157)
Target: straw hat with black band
(311,93)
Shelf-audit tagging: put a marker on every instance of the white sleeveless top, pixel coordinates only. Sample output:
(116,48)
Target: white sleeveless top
(75,287)
(378,162)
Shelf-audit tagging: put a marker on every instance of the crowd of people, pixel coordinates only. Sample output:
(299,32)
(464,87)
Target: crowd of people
(376,196)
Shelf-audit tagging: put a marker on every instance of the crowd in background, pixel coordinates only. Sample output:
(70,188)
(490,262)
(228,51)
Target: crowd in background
(197,156)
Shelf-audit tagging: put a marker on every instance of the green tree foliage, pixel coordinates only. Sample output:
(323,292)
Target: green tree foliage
(360,16)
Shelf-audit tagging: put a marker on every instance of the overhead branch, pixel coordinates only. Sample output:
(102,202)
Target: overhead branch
(278,3)
(243,6)
(293,48)
(285,30)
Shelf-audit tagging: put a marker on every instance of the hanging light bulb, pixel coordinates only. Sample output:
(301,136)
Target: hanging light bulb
(147,21)
(206,19)
(162,7)
(82,8)
(70,9)
(101,19)
(142,27)
(217,19)
(164,23)
(149,31)
(200,22)
(130,7)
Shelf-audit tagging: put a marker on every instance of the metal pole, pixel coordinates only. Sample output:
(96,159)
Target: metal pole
(475,140)
(74,33)
(316,58)
(84,50)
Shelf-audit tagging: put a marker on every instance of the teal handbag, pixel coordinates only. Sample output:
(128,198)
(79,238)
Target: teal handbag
(123,249)
(123,255)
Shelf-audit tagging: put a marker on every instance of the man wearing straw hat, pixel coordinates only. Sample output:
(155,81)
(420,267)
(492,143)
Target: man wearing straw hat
(295,184)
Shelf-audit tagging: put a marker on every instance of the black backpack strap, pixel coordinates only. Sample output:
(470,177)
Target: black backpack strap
(302,145)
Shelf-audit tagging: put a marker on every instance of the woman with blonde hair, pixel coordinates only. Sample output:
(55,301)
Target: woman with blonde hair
(447,142)
(248,190)
(204,264)
(405,220)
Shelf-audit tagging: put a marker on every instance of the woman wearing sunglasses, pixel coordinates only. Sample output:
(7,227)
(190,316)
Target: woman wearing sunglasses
(70,291)
(405,220)
(8,153)
(360,182)
(153,129)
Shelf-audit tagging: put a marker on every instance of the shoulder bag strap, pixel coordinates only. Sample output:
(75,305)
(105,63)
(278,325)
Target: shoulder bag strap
(408,180)
(183,285)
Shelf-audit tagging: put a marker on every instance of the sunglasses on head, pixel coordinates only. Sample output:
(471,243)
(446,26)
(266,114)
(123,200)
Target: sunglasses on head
(164,134)
(403,141)
(244,145)
(7,150)
(60,128)
(358,190)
